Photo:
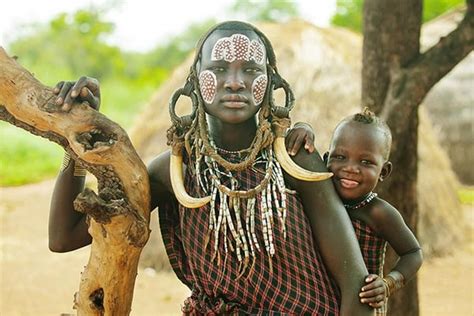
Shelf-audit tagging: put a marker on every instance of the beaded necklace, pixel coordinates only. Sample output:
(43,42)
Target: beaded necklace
(267,200)
(369,197)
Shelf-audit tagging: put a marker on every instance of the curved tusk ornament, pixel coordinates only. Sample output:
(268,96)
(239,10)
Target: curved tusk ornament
(292,168)
(176,175)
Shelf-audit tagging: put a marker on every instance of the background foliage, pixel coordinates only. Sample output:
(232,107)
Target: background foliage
(72,45)
(349,12)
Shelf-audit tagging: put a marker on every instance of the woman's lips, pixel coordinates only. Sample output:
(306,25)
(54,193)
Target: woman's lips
(234,101)
(233,105)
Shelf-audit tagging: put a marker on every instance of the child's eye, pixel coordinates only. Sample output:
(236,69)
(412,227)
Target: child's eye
(366,162)
(338,157)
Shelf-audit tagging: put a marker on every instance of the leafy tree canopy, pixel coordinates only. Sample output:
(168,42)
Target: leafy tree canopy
(266,11)
(73,44)
(349,12)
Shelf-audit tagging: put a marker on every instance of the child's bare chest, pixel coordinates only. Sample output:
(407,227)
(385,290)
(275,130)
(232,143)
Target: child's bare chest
(363,214)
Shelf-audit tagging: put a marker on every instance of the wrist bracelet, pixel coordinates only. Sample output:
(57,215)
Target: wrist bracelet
(393,282)
(78,170)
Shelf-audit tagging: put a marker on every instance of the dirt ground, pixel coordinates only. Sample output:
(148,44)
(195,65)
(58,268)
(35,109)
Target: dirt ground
(35,281)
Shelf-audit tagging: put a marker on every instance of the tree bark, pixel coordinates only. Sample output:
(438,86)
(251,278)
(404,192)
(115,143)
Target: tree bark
(395,80)
(118,215)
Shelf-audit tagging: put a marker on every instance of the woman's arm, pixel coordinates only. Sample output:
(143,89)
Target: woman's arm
(160,182)
(67,228)
(333,234)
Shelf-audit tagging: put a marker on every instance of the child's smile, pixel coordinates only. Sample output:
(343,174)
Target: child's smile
(356,159)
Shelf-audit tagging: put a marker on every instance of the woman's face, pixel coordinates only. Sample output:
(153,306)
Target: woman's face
(233,75)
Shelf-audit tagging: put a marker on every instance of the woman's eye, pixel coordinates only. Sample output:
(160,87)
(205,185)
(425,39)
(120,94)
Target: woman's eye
(217,69)
(252,70)
(338,157)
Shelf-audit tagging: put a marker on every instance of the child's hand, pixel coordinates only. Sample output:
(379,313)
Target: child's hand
(373,293)
(299,134)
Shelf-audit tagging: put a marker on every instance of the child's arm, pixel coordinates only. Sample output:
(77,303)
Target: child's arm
(390,225)
(301,133)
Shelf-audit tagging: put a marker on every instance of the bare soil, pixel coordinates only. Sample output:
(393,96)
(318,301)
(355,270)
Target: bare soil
(35,281)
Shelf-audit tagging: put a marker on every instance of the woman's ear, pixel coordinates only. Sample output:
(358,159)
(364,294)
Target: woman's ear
(386,171)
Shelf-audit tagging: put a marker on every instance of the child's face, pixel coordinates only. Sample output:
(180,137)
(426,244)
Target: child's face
(233,75)
(356,157)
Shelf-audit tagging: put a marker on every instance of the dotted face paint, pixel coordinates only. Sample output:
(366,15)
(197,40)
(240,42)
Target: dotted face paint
(208,84)
(238,47)
(258,88)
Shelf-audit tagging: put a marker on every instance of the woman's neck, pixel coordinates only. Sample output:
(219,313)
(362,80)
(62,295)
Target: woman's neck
(232,137)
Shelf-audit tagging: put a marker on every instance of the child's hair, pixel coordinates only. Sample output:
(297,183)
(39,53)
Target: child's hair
(369,117)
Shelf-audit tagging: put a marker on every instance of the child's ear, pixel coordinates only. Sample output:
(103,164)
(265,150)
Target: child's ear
(386,170)
(325,157)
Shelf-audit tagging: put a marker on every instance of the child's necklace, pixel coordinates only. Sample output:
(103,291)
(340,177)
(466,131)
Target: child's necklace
(362,203)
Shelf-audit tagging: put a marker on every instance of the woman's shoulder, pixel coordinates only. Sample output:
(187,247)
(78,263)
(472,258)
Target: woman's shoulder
(159,173)
(159,166)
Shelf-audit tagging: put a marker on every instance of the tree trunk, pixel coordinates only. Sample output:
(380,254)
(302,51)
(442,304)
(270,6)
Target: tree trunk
(395,80)
(119,215)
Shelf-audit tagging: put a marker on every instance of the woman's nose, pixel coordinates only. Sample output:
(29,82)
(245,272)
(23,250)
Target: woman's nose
(234,82)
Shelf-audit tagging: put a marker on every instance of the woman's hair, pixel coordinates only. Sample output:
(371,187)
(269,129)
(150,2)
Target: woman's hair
(205,163)
(195,131)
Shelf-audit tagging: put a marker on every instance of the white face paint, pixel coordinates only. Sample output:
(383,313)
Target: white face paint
(259,86)
(238,47)
(229,49)
(207,85)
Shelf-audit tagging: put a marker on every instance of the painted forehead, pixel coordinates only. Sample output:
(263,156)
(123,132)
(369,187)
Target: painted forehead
(236,46)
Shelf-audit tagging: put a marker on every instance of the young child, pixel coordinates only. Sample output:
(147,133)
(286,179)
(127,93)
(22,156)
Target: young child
(358,157)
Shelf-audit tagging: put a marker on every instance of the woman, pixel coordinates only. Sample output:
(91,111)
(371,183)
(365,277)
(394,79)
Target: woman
(241,233)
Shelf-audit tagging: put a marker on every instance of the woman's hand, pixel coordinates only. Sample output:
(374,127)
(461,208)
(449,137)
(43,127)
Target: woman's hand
(85,89)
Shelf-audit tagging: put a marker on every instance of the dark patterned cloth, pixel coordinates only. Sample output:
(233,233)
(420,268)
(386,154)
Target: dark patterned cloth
(371,245)
(373,250)
(294,281)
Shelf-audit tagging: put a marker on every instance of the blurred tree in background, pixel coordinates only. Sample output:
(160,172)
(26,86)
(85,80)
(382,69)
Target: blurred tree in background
(266,11)
(70,44)
(76,44)
(349,12)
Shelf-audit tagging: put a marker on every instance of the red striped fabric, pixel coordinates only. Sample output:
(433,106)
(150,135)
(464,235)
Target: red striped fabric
(373,250)
(294,281)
